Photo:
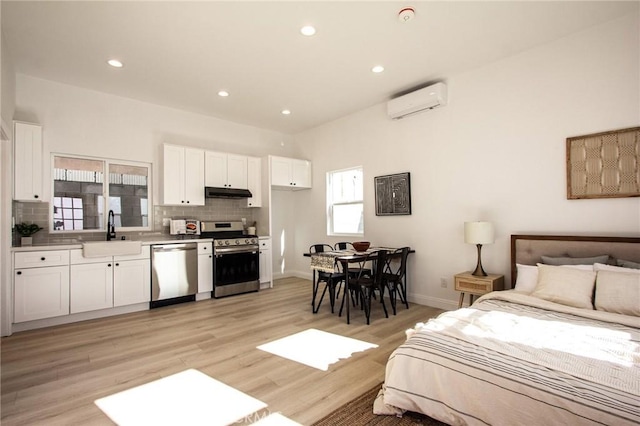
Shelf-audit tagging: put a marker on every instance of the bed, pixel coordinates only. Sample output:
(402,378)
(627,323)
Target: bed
(561,348)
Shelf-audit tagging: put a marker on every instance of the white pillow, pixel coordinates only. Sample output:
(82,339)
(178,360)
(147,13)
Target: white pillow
(603,267)
(527,277)
(568,286)
(618,292)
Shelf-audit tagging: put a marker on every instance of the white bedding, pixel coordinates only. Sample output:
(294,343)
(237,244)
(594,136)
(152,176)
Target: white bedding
(514,359)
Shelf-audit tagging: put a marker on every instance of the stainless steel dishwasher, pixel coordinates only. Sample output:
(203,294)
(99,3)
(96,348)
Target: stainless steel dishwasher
(174,273)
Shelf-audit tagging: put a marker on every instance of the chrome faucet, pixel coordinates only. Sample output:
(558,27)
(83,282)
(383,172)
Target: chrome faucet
(111,226)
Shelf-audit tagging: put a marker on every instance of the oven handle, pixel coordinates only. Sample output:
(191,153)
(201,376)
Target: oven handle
(227,250)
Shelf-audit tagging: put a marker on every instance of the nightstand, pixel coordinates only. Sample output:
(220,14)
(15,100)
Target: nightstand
(478,285)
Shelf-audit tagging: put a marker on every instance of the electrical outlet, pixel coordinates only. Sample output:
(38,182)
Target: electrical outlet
(443,282)
(166,221)
(244,221)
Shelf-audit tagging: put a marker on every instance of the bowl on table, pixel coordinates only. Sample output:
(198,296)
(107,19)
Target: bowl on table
(361,245)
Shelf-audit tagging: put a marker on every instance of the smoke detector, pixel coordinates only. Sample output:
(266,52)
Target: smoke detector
(406,14)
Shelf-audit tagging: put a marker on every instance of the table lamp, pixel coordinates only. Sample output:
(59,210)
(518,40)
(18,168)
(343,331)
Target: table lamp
(478,233)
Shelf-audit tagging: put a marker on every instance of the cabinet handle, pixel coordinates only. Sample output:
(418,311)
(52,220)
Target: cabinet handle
(210,256)
(109,265)
(182,201)
(117,264)
(35,196)
(187,201)
(43,258)
(19,273)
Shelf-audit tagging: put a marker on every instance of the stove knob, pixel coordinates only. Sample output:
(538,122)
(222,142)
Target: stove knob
(237,242)
(226,243)
(247,241)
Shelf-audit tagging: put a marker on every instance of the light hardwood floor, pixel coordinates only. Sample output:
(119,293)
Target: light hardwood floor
(54,375)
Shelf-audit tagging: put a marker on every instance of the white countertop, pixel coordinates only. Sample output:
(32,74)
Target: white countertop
(78,245)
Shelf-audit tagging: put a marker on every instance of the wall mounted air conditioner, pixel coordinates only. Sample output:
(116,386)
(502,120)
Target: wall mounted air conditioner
(421,100)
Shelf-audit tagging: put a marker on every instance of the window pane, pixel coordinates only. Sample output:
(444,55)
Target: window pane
(128,189)
(347,219)
(78,183)
(346,186)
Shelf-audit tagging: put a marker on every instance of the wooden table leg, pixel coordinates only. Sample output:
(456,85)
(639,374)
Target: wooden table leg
(461,300)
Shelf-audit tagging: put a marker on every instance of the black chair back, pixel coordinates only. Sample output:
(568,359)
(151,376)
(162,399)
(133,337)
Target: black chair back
(343,245)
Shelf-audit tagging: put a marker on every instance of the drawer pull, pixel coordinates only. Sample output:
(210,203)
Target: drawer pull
(43,258)
(19,273)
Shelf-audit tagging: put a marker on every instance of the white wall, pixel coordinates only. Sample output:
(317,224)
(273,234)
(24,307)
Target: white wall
(496,152)
(85,122)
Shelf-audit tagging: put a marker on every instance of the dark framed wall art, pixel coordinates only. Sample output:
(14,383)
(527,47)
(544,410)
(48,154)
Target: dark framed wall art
(604,165)
(393,194)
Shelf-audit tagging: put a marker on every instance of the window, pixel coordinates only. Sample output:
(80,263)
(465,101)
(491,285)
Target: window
(345,205)
(80,191)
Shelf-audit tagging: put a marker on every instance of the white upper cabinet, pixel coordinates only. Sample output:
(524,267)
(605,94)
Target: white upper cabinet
(254,181)
(224,170)
(183,174)
(290,172)
(27,151)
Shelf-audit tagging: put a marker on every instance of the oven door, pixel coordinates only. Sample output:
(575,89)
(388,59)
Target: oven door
(235,271)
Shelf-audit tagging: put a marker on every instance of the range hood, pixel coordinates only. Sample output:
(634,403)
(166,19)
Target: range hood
(213,192)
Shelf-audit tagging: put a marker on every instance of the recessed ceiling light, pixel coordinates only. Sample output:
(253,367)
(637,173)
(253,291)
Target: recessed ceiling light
(308,30)
(286,112)
(377,69)
(223,93)
(115,63)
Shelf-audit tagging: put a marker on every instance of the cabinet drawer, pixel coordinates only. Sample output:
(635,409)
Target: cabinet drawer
(205,248)
(265,244)
(473,286)
(39,259)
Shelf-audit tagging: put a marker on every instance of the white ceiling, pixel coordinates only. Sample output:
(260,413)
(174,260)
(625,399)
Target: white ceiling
(180,54)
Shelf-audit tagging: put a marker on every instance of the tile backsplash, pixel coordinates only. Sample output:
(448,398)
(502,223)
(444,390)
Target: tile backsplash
(219,209)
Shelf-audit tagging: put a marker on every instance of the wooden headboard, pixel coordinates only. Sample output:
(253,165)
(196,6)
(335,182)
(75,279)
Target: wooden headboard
(528,249)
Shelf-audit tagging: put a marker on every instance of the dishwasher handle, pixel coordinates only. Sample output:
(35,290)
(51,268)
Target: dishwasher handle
(175,247)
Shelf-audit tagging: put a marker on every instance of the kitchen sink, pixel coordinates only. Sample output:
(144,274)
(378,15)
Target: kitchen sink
(111,248)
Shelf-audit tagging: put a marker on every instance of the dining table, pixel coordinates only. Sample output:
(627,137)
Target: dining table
(324,261)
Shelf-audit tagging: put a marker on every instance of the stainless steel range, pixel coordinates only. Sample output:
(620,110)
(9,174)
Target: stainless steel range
(236,265)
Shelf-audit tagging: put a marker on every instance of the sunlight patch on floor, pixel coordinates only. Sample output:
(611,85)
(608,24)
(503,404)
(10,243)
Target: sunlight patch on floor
(316,348)
(189,397)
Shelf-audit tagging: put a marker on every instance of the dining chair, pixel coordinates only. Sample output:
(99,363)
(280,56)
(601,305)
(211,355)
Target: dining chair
(365,284)
(394,276)
(331,280)
(345,245)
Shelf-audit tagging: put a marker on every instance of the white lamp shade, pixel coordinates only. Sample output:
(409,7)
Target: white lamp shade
(478,232)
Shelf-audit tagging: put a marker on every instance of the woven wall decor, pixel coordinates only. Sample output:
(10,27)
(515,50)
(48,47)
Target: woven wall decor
(393,194)
(604,165)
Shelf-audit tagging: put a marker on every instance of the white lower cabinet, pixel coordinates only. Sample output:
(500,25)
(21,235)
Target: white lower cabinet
(105,282)
(40,293)
(205,267)
(131,282)
(265,259)
(91,287)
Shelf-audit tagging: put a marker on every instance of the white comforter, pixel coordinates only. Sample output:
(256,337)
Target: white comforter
(514,359)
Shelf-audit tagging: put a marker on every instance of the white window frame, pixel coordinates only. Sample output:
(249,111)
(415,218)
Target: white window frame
(105,193)
(331,203)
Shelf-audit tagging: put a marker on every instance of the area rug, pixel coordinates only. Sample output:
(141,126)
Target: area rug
(359,412)
(316,348)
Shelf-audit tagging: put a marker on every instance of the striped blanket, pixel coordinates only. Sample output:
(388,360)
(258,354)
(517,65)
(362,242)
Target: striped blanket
(512,359)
